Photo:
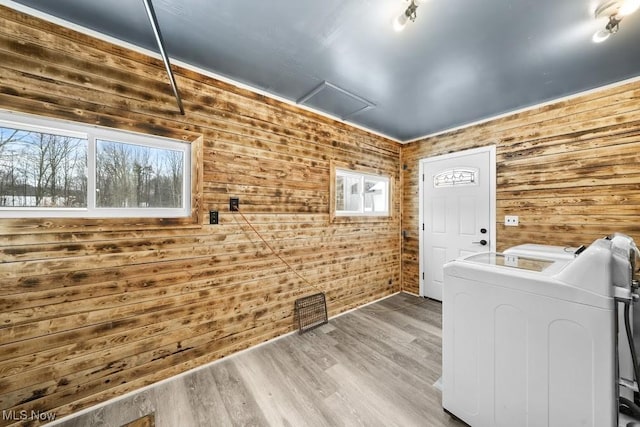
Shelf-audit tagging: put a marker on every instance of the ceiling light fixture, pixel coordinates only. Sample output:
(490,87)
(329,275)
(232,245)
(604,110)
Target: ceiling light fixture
(615,10)
(409,14)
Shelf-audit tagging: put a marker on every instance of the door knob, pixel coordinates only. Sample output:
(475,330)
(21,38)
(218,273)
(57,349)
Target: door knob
(481,242)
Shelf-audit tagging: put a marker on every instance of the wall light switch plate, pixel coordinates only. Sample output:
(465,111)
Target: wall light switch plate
(213,217)
(511,220)
(234,204)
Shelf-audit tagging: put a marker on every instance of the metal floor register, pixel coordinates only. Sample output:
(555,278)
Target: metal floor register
(311,312)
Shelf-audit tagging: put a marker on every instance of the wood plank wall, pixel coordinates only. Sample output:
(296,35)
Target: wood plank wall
(91,309)
(569,170)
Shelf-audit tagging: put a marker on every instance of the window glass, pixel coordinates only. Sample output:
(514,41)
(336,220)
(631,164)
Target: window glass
(348,192)
(41,170)
(129,175)
(458,176)
(376,195)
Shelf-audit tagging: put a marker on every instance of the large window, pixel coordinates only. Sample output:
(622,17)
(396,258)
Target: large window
(58,169)
(360,194)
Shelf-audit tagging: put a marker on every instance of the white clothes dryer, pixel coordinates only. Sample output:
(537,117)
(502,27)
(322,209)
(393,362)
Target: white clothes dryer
(529,341)
(555,252)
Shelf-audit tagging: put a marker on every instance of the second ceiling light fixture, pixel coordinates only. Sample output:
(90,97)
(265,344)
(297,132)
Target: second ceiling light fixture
(614,10)
(409,14)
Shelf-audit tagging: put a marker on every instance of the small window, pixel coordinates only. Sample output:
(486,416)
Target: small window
(57,169)
(359,193)
(456,177)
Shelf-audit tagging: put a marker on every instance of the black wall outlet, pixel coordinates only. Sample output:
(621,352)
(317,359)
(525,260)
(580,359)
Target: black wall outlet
(234,204)
(213,217)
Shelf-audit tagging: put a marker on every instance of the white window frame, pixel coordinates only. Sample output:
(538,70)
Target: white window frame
(362,177)
(92,134)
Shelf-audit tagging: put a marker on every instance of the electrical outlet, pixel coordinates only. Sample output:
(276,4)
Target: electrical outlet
(234,204)
(213,217)
(511,220)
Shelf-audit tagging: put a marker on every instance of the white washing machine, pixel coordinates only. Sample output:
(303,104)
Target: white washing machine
(568,253)
(529,341)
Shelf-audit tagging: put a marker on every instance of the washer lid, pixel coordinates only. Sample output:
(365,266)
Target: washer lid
(543,251)
(511,261)
(550,282)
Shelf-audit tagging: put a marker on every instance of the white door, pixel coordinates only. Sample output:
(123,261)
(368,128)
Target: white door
(457,211)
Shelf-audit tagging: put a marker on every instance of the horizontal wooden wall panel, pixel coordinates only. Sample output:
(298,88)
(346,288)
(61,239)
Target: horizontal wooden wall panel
(569,170)
(93,308)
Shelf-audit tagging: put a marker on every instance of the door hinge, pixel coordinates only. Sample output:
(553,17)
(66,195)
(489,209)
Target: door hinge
(423,275)
(422,177)
(423,226)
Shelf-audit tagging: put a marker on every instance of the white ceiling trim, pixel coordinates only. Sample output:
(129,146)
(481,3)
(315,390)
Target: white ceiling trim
(523,109)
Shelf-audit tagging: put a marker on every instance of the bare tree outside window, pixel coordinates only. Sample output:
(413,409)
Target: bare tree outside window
(129,175)
(59,169)
(40,169)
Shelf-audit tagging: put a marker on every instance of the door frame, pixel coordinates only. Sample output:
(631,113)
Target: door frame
(491,149)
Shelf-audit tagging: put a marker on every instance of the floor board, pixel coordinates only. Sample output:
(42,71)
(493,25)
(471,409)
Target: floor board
(374,366)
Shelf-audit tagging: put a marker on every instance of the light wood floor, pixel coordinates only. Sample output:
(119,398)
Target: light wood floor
(372,367)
